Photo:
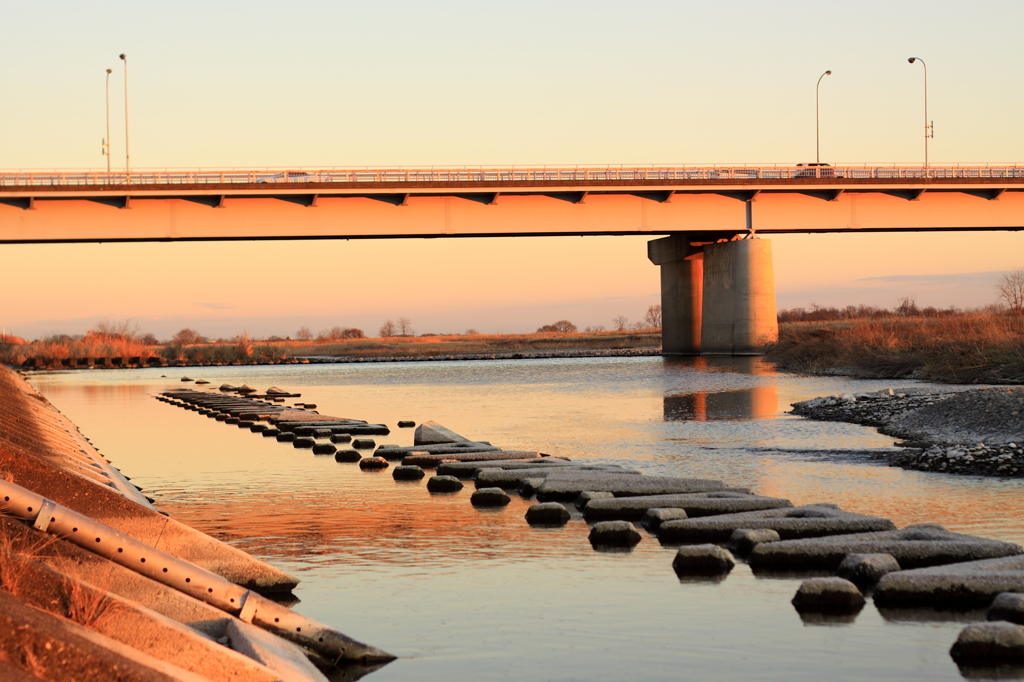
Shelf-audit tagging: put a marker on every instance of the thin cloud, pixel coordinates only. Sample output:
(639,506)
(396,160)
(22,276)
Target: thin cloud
(214,306)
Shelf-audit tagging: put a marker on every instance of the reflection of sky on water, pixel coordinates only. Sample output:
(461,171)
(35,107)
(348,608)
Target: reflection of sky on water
(470,594)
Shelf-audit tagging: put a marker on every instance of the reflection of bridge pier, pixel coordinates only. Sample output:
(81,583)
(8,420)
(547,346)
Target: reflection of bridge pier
(717,298)
(751,403)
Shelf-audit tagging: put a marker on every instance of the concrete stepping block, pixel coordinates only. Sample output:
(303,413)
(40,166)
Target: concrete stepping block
(791,523)
(513,478)
(467,470)
(231,420)
(444,484)
(286,437)
(584,498)
(373,463)
(391,454)
(702,560)
(547,514)
(700,504)
(989,643)
(828,595)
(431,461)
(347,456)
(322,433)
(271,433)
(221,417)
(1007,606)
(341,438)
(446,449)
(324,449)
(744,540)
(245,423)
(865,570)
(912,547)
(303,443)
(559,488)
(406,424)
(364,443)
(258,428)
(407,473)
(489,497)
(528,488)
(432,433)
(653,518)
(616,533)
(967,585)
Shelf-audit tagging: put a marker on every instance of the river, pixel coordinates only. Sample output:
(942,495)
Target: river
(466,594)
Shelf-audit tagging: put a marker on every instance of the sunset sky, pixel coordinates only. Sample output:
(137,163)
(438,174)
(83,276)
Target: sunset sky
(315,84)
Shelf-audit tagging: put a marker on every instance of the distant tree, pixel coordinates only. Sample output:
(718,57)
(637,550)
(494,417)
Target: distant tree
(652,318)
(562,327)
(149,339)
(123,330)
(595,328)
(1011,290)
(405,327)
(304,334)
(620,323)
(243,346)
(187,337)
(352,333)
(388,329)
(907,307)
(470,332)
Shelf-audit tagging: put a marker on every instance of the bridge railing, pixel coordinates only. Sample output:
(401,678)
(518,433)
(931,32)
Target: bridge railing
(525,175)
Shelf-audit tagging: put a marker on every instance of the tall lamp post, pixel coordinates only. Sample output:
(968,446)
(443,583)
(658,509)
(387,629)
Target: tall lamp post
(106,142)
(127,144)
(929,128)
(817,116)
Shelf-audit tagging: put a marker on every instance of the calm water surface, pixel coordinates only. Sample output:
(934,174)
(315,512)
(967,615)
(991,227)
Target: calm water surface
(461,593)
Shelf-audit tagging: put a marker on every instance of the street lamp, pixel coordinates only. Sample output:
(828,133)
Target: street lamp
(106,142)
(929,128)
(127,145)
(817,116)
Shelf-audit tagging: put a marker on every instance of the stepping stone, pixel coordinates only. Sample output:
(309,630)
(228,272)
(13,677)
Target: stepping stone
(322,433)
(245,423)
(231,420)
(323,449)
(796,522)
(407,473)
(617,533)
(702,560)
(258,428)
(489,497)
(513,478)
(364,443)
(431,461)
(267,433)
(913,547)
(547,514)
(584,498)
(373,463)
(700,504)
(653,519)
(303,442)
(1007,606)
(341,438)
(446,449)
(406,424)
(744,540)
(963,586)
(444,484)
(286,437)
(828,595)
(558,488)
(470,469)
(865,570)
(990,644)
(347,456)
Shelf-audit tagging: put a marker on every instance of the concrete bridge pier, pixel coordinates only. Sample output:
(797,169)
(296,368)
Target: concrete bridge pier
(716,298)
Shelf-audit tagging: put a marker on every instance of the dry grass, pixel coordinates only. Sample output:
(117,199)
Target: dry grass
(89,605)
(967,347)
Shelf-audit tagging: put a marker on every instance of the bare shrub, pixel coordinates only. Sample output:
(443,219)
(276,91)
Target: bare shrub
(388,329)
(470,332)
(652,318)
(595,328)
(405,327)
(562,326)
(304,334)
(187,337)
(1011,290)
(620,323)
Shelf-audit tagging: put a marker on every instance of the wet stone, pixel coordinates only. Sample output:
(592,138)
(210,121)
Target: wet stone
(347,456)
(702,560)
(324,449)
(407,473)
(617,533)
(744,540)
(364,443)
(286,437)
(258,428)
(653,519)
(828,595)
(589,495)
(547,514)
(268,433)
(404,424)
(303,442)
(321,433)
(229,420)
(245,423)
(865,570)
(987,643)
(1007,606)
(372,463)
(444,484)
(489,497)
(341,438)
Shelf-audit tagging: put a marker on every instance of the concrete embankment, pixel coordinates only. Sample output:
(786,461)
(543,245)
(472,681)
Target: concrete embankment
(955,430)
(97,584)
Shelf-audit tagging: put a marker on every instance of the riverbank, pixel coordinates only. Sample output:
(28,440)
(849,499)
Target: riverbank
(960,348)
(97,583)
(961,430)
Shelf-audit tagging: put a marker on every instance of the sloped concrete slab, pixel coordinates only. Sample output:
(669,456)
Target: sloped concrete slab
(284,658)
(792,523)
(432,433)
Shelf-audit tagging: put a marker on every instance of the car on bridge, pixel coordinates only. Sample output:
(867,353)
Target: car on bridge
(816,170)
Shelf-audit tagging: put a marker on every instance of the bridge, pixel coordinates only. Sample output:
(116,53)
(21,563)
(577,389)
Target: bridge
(717,284)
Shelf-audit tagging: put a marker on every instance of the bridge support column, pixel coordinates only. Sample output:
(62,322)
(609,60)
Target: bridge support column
(682,283)
(739,298)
